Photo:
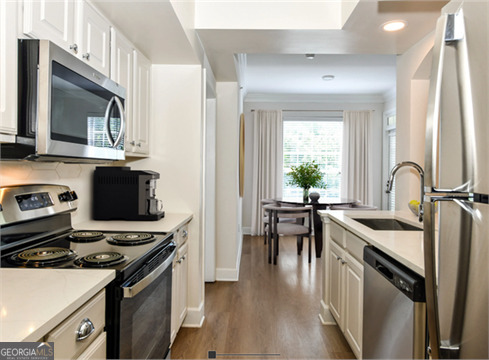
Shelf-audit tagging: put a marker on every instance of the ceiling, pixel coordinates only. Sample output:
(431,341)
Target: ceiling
(294,74)
(275,56)
(360,55)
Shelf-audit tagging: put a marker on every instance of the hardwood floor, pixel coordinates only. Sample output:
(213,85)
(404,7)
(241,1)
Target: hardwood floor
(270,313)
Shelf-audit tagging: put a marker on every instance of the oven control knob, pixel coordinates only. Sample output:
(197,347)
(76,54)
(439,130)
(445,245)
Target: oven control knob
(67,196)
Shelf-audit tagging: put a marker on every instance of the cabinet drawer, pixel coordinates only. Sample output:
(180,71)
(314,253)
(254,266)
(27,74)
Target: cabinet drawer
(337,233)
(182,235)
(355,246)
(97,349)
(65,335)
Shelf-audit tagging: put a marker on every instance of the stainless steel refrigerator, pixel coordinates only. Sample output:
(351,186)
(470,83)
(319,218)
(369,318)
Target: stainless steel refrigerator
(456,218)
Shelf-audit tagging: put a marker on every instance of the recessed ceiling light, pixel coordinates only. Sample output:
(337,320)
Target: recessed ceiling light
(310,56)
(328,77)
(394,25)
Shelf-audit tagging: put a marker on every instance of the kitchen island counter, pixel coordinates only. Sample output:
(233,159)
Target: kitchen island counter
(170,223)
(404,246)
(35,301)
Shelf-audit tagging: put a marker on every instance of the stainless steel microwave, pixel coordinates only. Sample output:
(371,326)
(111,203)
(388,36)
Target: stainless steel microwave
(67,111)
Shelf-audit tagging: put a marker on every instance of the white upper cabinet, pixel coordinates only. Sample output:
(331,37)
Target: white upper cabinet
(141,103)
(8,71)
(80,30)
(93,37)
(53,20)
(121,71)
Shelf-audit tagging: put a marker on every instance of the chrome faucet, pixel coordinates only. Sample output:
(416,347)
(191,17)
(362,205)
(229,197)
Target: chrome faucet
(390,182)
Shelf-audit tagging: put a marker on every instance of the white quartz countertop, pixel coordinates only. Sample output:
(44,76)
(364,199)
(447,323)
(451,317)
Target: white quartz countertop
(404,246)
(35,301)
(169,223)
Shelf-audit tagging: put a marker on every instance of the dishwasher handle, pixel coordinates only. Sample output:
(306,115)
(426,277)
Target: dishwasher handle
(400,276)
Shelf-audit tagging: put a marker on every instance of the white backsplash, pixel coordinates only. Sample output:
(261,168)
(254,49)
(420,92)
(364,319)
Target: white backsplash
(77,176)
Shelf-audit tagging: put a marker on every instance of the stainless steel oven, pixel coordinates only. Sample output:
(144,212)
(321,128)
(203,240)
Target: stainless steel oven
(36,233)
(145,311)
(66,110)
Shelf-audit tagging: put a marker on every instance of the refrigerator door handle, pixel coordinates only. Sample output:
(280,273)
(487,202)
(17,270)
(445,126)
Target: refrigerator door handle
(429,237)
(434,102)
(431,175)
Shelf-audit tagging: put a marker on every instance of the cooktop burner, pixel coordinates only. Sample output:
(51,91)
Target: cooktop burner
(40,257)
(131,239)
(101,259)
(86,236)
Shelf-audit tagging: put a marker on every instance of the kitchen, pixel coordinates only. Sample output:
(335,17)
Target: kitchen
(180,95)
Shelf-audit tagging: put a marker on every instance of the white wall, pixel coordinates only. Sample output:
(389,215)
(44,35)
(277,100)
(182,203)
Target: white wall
(412,101)
(375,103)
(228,231)
(176,148)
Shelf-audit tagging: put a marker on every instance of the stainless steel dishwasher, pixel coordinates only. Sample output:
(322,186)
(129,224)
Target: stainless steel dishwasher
(394,310)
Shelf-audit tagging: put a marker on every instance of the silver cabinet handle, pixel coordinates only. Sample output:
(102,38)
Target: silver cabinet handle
(138,145)
(185,234)
(74,47)
(338,258)
(114,100)
(85,329)
(132,143)
(86,56)
(343,262)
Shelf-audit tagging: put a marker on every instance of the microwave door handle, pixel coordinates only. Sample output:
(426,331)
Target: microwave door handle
(123,121)
(107,121)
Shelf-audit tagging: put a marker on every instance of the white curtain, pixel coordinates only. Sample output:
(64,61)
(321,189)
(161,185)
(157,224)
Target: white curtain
(356,173)
(267,162)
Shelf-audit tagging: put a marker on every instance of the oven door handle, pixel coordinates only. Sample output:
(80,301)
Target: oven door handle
(131,291)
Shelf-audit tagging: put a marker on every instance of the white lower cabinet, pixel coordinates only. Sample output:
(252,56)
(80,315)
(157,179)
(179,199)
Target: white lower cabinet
(82,335)
(344,274)
(179,282)
(353,304)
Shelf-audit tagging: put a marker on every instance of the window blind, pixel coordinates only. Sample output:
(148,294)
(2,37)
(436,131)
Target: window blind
(318,140)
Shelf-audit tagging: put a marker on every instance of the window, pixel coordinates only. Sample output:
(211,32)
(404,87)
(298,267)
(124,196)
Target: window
(390,132)
(318,139)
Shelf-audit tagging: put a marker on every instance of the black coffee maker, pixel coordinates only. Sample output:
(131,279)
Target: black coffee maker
(120,193)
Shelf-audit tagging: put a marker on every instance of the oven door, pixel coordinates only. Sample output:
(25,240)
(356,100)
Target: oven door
(145,317)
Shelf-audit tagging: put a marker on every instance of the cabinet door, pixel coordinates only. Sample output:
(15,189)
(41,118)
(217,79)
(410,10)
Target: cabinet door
(141,103)
(183,290)
(93,37)
(336,254)
(52,20)
(121,71)
(8,71)
(354,304)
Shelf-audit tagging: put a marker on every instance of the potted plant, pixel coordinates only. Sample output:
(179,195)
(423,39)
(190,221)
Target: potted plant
(306,176)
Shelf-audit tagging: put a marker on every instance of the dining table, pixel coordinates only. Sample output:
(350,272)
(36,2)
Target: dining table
(323,203)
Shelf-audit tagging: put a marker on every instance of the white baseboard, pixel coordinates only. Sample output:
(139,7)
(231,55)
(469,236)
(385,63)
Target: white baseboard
(246,230)
(227,274)
(195,317)
(325,315)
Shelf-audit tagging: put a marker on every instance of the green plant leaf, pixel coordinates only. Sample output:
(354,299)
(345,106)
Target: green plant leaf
(307,175)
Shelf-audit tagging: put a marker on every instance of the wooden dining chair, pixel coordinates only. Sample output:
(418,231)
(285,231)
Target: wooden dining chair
(276,213)
(266,219)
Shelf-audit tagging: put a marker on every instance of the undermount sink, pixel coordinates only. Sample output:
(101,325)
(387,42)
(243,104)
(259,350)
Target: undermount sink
(387,224)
